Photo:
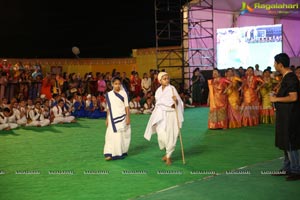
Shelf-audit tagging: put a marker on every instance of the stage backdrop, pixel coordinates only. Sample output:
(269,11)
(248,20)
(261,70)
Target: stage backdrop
(226,19)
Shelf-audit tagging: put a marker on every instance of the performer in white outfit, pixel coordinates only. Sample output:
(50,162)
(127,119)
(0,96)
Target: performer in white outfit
(61,115)
(19,116)
(135,106)
(12,114)
(4,120)
(148,106)
(36,116)
(22,120)
(163,120)
(88,101)
(30,104)
(118,131)
(146,83)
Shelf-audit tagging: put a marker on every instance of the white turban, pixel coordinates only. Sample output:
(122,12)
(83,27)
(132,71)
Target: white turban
(160,75)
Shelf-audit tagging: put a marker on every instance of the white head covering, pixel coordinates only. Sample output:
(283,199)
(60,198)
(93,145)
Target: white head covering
(89,96)
(160,75)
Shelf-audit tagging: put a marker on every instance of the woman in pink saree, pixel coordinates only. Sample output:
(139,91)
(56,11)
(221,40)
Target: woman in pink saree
(250,105)
(217,118)
(234,114)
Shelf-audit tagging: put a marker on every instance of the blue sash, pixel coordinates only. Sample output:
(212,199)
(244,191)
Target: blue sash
(117,119)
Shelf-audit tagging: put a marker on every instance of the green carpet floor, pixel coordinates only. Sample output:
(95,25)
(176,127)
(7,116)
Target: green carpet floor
(256,183)
(77,149)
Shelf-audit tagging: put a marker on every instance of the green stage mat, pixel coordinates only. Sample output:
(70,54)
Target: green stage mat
(66,161)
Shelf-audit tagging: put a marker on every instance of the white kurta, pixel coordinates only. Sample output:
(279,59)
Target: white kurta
(37,118)
(20,120)
(12,118)
(4,123)
(59,117)
(146,83)
(148,109)
(118,134)
(134,107)
(163,119)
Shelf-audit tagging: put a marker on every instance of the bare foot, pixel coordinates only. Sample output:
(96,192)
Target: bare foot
(168,161)
(108,158)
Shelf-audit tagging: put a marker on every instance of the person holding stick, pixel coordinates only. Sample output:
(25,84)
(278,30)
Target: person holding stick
(166,118)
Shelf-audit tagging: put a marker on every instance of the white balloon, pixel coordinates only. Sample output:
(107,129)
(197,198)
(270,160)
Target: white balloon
(76,50)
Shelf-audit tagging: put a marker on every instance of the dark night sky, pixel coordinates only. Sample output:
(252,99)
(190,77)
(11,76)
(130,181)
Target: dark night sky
(49,29)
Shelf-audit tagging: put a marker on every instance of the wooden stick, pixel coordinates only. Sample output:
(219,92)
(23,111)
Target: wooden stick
(180,137)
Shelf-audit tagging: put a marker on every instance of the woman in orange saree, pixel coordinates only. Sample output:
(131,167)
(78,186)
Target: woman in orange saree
(250,105)
(233,112)
(267,111)
(217,118)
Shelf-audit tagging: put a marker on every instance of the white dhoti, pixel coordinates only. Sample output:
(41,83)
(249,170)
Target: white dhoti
(5,123)
(67,119)
(13,125)
(164,123)
(8,125)
(135,111)
(22,121)
(59,117)
(147,111)
(167,133)
(44,122)
(3,126)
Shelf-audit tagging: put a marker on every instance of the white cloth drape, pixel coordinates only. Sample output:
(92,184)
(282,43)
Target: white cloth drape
(118,134)
(163,119)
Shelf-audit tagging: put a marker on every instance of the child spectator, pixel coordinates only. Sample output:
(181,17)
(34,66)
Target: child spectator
(135,106)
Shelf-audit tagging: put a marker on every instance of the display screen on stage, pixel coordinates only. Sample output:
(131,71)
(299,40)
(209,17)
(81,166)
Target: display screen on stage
(247,46)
